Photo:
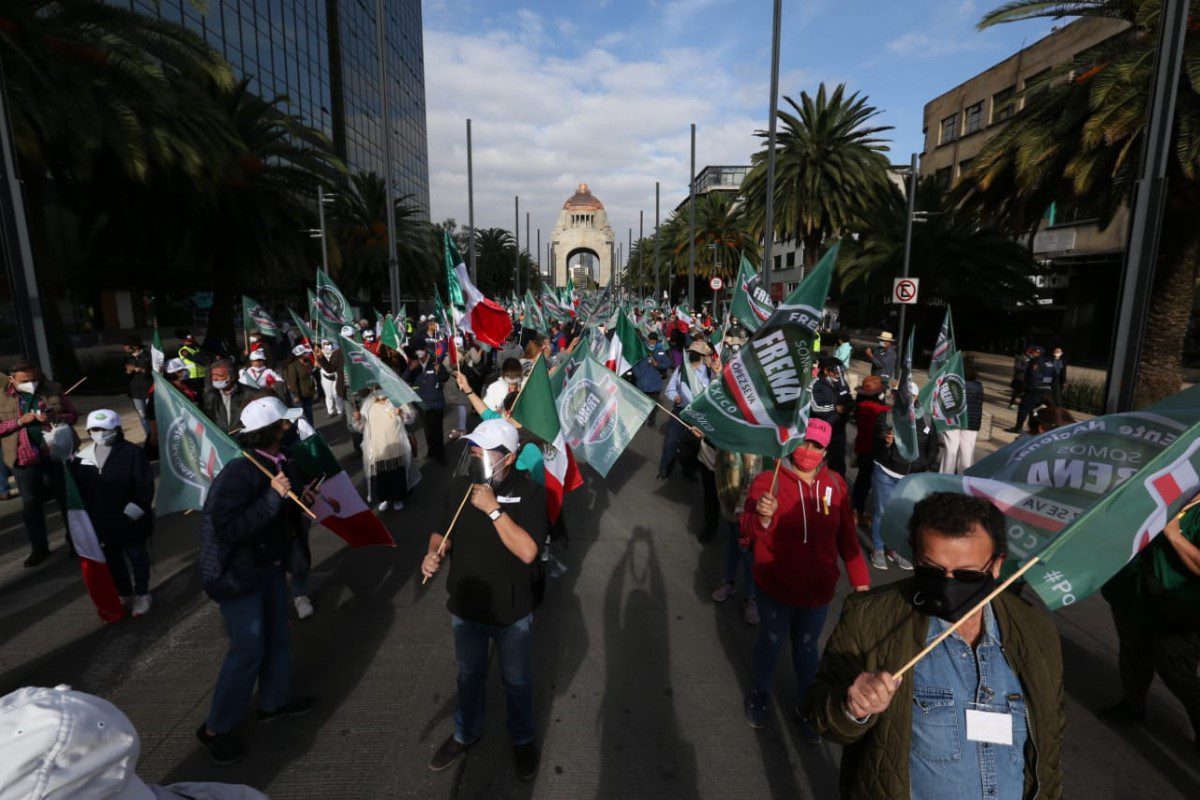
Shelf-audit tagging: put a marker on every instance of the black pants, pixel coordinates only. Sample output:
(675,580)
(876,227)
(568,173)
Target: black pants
(862,482)
(711,503)
(835,456)
(38,482)
(1174,656)
(435,434)
(123,555)
(1032,399)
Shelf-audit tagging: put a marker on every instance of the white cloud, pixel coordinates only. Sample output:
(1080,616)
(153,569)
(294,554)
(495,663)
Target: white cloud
(543,123)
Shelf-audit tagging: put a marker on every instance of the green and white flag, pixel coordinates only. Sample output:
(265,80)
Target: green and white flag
(533,314)
(389,334)
(566,368)
(759,403)
(599,414)
(330,304)
(158,356)
(751,303)
(364,369)
(1092,494)
(452,259)
(192,449)
(944,398)
(904,414)
(945,347)
(305,331)
(254,316)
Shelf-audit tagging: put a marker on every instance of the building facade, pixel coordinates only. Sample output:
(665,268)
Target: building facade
(582,234)
(1080,262)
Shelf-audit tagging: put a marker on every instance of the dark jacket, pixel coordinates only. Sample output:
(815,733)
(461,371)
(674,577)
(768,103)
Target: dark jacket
(246,529)
(646,376)
(139,382)
(427,381)
(883,362)
(334,364)
(1041,374)
(888,456)
(214,407)
(125,478)
(867,409)
(880,630)
(826,397)
(298,377)
(974,405)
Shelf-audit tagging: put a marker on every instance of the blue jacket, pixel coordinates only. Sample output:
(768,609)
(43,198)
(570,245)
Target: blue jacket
(660,358)
(427,380)
(646,376)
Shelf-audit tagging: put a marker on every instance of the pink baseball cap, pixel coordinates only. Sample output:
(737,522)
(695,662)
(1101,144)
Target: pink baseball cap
(818,431)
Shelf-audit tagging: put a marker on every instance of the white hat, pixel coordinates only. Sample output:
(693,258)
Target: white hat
(258,355)
(175,365)
(266,411)
(103,418)
(299,350)
(493,433)
(422,319)
(62,743)
(368,333)
(348,331)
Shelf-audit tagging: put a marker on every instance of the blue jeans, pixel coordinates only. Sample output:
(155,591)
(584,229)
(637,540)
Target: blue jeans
(139,405)
(778,621)
(673,435)
(736,554)
(260,649)
(883,484)
(513,644)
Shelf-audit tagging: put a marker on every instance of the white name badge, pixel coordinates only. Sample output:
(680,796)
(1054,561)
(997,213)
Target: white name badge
(502,499)
(989,726)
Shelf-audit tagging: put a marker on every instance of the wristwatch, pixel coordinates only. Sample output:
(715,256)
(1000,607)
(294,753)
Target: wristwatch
(495,513)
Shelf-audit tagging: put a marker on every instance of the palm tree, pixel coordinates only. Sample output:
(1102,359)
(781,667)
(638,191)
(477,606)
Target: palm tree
(829,163)
(977,269)
(721,220)
(1077,140)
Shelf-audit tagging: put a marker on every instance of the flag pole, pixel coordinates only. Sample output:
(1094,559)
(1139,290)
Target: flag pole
(291,495)
(691,428)
(929,648)
(775,479)
(453,522)
(74,386)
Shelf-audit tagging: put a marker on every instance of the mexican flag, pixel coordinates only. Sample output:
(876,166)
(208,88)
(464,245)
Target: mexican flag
(944,347)
(683,314)
(191,450)
(751,303)
(566,368)
(625,347)
(483,317)
(330,304)
(599,414)
(254,316)
(364,369)
(158,356)
(92,563)
(945,396)
(338,505)
(759,403)
(535,409)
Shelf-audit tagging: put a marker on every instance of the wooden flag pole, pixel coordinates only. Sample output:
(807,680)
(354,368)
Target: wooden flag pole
(775,479)
(690,428)
(74,386)
(453,522)
(291,495)
(929,648)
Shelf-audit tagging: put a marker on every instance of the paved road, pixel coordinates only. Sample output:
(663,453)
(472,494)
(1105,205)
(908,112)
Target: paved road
(639,675)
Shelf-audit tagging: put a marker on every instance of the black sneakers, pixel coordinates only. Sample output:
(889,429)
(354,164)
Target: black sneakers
(36,557)
(292,708)
(222,748)
(447,754)
(526,758)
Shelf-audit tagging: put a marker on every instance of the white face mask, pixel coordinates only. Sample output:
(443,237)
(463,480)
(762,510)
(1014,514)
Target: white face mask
(326,349)
(219,384)
(103,437)
(28,387)
(1058,354)
(512,381)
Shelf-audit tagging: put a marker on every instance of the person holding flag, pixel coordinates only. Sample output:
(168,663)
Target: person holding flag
(225,398)
(891,465)
(388,460)
(427,376)
(686,382)
(138,367)
(331,368)
(798,521)
(258,375)
(982,714)
(246,531)
(494,570)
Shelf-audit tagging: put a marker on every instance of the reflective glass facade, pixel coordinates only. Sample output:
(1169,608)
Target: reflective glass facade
(323,56)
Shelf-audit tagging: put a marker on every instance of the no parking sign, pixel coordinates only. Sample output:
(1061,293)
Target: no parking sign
(904,290)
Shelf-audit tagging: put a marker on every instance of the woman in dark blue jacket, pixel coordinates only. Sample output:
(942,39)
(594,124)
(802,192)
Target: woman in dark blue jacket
(117,485)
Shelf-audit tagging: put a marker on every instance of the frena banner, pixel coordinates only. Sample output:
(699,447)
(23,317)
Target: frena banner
(330,303)
(599,413)
(751,303)
(945,396)
(191,450)
(759,403)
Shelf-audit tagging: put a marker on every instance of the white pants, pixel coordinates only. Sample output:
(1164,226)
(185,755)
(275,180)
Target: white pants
(333,401)
(958,451)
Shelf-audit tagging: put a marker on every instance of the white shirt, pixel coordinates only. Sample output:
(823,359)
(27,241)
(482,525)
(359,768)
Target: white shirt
(677,386)
(493,396)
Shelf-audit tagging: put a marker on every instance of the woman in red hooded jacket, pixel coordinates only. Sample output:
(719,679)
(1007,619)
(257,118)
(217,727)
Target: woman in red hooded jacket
(798,525)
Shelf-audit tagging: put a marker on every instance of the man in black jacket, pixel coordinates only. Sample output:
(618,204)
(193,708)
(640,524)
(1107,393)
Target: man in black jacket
(1040,377)
(427,376)
(224,400)
(139,369)
(831,402)
(891,466)
(246,531)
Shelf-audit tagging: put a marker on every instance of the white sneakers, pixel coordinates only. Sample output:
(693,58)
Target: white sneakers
(398,505)
(383,506)
(304,607)
(140,606)
(722,592)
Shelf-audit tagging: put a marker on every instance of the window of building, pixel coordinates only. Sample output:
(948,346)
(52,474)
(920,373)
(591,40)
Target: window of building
(974,116)
(1037,83)
(949,126)
(1002,105)
(778,262)
(790,259)
(943,175)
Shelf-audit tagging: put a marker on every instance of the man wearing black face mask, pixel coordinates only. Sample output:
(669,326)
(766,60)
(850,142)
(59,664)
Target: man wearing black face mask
(494,570)
(980,716)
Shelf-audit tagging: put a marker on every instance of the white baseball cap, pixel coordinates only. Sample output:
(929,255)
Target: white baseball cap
(258,355)
(63,743)
(103,418)
(299,350)
(493,433)
(348,331)
(266,411)
(176,365)
(368,333)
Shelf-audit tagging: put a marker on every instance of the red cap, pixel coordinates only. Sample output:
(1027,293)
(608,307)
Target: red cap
(818,431)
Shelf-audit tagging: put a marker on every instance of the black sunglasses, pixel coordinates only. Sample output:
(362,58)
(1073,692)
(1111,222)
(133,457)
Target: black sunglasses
(963,575)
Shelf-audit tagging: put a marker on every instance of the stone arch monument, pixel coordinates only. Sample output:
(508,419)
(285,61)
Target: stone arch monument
(582,228)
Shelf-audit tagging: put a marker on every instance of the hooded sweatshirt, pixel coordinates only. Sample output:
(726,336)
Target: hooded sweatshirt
(795,557)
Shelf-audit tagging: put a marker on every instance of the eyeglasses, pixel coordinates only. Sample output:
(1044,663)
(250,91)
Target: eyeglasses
(964,575)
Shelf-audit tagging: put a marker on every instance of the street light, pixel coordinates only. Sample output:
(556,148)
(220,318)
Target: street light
(322,200)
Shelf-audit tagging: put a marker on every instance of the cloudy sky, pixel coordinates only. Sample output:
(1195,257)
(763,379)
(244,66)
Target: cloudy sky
(603,91)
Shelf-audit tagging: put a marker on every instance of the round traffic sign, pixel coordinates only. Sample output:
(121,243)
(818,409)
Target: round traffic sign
(716,283)
(906,290)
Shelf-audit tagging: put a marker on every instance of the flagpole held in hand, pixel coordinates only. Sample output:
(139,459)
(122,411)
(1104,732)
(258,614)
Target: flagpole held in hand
(692,429)
(775,479)
(291,495)
(453,522)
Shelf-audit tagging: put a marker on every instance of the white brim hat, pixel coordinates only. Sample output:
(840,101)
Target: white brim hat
(266,411)
(104,419)
(176,365)
(348,331)
(493,433)
(258,355)
(299,350)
